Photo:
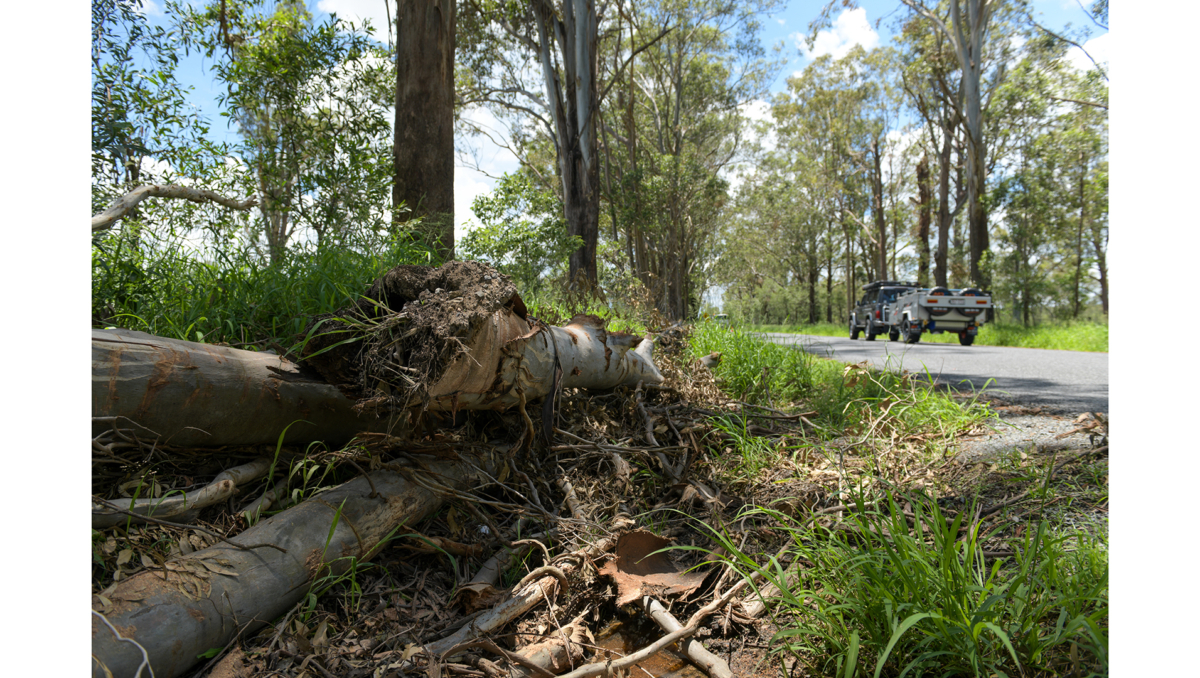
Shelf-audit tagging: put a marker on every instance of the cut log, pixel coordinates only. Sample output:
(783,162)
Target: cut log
(203,599)
(458,337)
(194,394)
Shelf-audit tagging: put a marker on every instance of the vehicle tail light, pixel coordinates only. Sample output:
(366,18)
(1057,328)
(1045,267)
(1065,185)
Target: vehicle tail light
(877,314)
(981,301)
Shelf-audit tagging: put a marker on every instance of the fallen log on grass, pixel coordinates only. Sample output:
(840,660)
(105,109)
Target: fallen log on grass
(456,337)
(189,394)
(205,599)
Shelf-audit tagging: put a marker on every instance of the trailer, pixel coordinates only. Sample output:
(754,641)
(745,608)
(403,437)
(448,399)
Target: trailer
(940,309)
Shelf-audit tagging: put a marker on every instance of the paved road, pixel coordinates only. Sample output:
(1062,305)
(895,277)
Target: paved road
(1069,382)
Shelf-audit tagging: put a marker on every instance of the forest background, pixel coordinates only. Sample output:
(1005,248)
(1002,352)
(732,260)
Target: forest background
(1152,186)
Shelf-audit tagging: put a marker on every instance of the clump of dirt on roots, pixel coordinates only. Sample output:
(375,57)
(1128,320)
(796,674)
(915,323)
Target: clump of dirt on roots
(398,339)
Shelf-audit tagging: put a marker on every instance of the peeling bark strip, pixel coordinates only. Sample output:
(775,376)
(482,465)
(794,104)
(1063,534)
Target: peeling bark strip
(195,394)
(127,202)
(201,600)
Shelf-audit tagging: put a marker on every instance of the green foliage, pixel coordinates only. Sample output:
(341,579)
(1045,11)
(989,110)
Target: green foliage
(169,286)
(523,233)
(920,598)
(139,109)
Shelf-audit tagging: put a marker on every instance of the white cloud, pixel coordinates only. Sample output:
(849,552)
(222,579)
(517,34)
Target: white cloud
(758,112)
(357,10)
(150,8)
(849,29)
(1097,47)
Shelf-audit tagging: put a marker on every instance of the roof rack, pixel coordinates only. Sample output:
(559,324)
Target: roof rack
(887,283)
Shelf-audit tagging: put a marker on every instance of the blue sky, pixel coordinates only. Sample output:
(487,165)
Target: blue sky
(869,25)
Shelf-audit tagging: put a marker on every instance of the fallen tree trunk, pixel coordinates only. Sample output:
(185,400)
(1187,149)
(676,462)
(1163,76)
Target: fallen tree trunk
(467,346)
(194,395)
(456,337)
(204,599)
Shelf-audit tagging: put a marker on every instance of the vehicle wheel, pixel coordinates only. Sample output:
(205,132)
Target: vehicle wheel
(853,329)
(913,335)
(870,330)
(966,339)
(939,310)
(971,292)
(893,335)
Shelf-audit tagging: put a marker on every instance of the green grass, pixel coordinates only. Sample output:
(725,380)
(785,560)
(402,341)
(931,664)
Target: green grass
(913,595)
(897,594)
(846,400)
(166,286)
(1079,336)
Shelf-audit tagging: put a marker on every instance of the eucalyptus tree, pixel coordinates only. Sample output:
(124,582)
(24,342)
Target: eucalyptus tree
(537,61)
(671,132)
(970,34)
(139,108)
(929,69)
(311,103)
(423,146)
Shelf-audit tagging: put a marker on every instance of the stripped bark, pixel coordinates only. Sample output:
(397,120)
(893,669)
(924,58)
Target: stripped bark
(204,599)
(125,204)
(193,394)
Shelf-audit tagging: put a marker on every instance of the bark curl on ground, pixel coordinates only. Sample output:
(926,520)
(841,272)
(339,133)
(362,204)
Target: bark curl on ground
(127,202)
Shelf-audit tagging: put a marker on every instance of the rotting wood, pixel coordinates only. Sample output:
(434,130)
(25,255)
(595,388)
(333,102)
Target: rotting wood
(202,600)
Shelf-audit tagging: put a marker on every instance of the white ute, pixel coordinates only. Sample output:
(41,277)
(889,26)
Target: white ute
(940,309)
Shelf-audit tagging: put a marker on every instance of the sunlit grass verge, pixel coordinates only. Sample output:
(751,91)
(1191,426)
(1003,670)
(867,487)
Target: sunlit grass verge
(1081,336)
(168,287)
(847,400)
(908,595)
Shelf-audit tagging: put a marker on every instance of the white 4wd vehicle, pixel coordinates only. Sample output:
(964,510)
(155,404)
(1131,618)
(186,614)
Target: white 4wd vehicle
(939,310)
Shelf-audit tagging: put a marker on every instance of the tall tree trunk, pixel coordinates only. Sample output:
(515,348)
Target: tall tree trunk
(940,263)
(423,150)
(1076,292)
(829,277)
(877,210)
(1101,265)
(924,217)
(573,108)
